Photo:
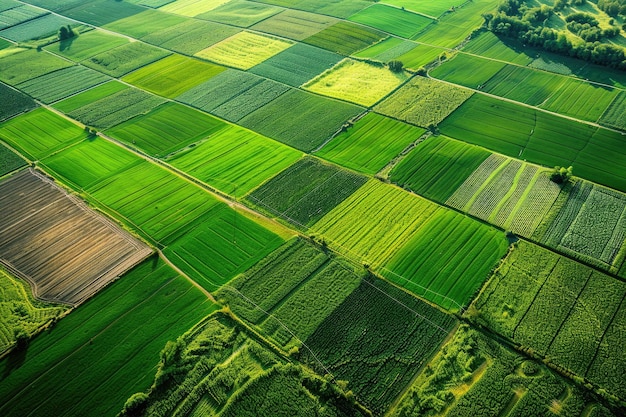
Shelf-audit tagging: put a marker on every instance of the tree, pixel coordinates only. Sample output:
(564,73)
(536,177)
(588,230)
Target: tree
(66,32)
(21,339)
(561,175)
(395,65)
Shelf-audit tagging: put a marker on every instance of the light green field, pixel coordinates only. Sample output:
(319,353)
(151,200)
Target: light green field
(345,38)
(142,24)
(488,44)
(124,59)
(172,75)
(190,36)
(295,24)
(428,7)
(240,13)
(235,160)
(18,65)
(244,50)
(87,45)
(467,70)
(40,132)
(391,20)
(356,81)
(86,97)
(192,7)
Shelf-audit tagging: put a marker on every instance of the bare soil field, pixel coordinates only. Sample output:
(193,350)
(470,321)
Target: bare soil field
(64,249)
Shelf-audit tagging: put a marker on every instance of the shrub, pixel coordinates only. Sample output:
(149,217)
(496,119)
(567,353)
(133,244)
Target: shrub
(395,65)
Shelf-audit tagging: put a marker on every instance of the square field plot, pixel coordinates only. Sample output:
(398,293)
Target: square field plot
(392,20)
(45,240)
(244,50)
(345,38)
(357,81)
(295,24)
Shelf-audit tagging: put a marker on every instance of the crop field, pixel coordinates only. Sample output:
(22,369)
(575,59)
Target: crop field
(298,284)
(62,83)
(125,58)
(613,116)
(447,259)
(591,223)
(391,20)
(13,102)
(109,346)
(86,45)
(306,191)
(437,167)
(297,64)
(299,119)
(101,12)
(40,27)
(426,7)
(235,160)
(69,265)
(20,312)
(172,75)
(20,65)
(540,138)
(191,7)
(244,50)
(142,24)
(18,14)
(508,193)
(489,45)
(562,312)
(423,102)
(370,143)
(86,97)
(389,48)
(295,24)
(356,81)
(241,13)
(166,129)
(190,36)
(9,160)
(345,38)
(40,132)
(463,69)
(387,335)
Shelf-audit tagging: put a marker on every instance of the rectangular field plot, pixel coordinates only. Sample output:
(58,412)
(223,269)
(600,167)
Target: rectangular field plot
(101,12)
(345,38)
(191,36)
(356,81)
(166,129)
(40,133)
(370,144)
(305,191)
(109,346)
(295,24)
(87,45)
(297,65)
(125,58)
(13,102)
(423,102)
(563,312)
(427,7)
(66,251)
(18,14)
(244,50)
(142,24)
(233,94)
(468,70)
(489,45)
(614,114)
(387,334)
(172,75)
(38,28)
(298,284)
(191,7)
(9,160)
(235,160)
(437,167)
(300,119)
(241,13)
(411,54)
(391,20)
(597,154)
(62,83)
(20,65)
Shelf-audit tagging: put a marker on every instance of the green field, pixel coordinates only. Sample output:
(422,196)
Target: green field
(38,28)
(437,167)
(464,70)
(172,75)
(18,65)
(345,38)
(297,65)
(488,44)
(166,129)
(299,119)
(613,116)
(9,160)
(539,137)
(13,102)
(40,132)
(101,12)
(370,144)
(294,24)
(17,13)
(191,7)
(125,58)
(423,102)
(145,23)
(356,81)
(62,83)
(241,13)
(391,20)
(87,44)
(411,54)
(235,160)
(190,36)
(305,191)
(109,346)
(244,50)
(94,94)
(426,7)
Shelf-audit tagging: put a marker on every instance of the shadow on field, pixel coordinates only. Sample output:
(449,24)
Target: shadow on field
(13,361)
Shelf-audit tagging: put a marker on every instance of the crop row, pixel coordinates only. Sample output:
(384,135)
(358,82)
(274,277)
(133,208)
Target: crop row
(475,181)
(345,38)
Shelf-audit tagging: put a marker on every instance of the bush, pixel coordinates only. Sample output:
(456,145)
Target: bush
(561,175)
(396,66)
(136,404)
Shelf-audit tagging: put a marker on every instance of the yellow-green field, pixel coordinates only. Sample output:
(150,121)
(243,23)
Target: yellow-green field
(192,7)
(357,81)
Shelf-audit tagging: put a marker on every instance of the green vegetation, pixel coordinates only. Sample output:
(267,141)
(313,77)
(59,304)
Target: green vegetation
(297,65)
(437,167)
(9,160)
(125,58)
(391,20)
(93,94)
(40,132)
(295,24)
(370,144)
(172,75)
(143,24)
(235,160)
(101,12)
(423,102)
(166,129)
(306,191)
(425,6)
(190,36)
(299,119)
(38,28)
(13,102)
(613,115)
(356,81)
(108,346)
(191,7)
(240,13)
(18,65)
(62,83)
(387,335)
(345,38)
(487,44)
(244,50)
(462,69)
